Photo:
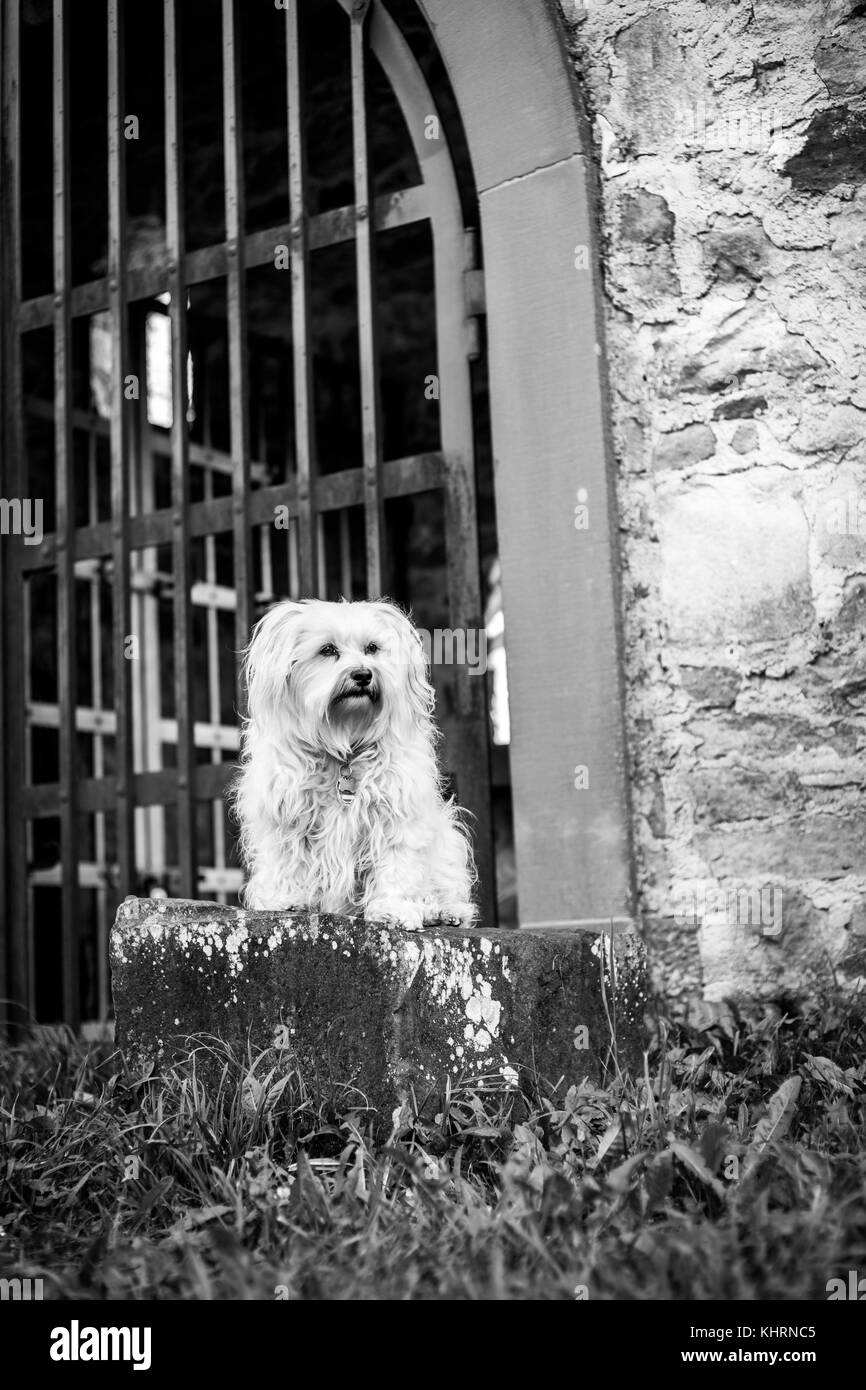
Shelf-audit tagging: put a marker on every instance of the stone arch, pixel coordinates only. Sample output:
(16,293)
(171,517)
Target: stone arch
(530,146)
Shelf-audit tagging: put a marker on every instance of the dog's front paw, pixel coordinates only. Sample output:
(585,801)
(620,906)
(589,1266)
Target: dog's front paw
(455,914)
(399,912)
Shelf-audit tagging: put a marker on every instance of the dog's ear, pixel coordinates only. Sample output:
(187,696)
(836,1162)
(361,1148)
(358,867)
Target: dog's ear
(414,658)
(268,658)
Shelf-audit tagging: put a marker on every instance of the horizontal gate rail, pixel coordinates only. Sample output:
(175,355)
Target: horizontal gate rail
(149,789)
(332,228)
(332,492)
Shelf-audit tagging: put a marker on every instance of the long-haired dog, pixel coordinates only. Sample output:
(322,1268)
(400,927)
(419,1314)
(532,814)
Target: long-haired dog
(340,798)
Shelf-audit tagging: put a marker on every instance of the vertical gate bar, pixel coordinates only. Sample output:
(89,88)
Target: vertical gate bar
(4,919)
(119,434)
(322,576)
(214,711)
(138,566)
(99,838)
(181,558)
(374,516)
(237,331)
(147,685)
(16,921)
(65,522)
(264,533)
(345,554)
(305,421)
(294,566)
(292,563)
(210,573)
(463,560)
(265,537)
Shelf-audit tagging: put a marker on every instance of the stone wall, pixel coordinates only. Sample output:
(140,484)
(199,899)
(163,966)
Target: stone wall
(731,145)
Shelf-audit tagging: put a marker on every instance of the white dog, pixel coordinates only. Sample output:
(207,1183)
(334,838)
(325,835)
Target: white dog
(340,799)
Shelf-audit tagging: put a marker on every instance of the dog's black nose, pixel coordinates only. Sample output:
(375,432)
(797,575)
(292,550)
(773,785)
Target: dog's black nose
(361,677)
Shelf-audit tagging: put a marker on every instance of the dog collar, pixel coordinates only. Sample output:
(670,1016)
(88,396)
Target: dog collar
(346,782)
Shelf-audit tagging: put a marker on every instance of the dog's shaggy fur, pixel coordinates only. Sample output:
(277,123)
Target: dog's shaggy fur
(340,799)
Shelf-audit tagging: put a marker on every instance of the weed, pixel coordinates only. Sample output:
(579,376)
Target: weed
(730,1167)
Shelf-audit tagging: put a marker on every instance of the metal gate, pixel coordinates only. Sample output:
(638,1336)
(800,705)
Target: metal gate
(170,519)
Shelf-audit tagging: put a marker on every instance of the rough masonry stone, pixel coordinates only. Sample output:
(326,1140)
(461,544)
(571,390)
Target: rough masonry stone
(371,1005)
(741,307)
(681,447)
(735,562)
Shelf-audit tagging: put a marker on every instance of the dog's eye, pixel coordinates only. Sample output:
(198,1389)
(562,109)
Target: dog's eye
(371,649)
(329,650)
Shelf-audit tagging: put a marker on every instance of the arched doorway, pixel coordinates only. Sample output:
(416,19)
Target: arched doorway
(245,357)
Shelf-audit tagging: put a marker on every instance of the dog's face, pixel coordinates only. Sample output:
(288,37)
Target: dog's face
(337,674)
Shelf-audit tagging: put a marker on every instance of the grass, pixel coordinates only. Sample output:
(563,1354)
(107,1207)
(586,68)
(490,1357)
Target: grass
(733,1167)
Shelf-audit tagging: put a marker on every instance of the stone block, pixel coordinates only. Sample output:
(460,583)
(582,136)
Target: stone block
(830,429)
(714,687)
(822,846)
(659,86)
(840,518)
(742,408)
(834,152)
(682,447)
(808,957)
(737,793)
(841,60)
(737,247)
(775,733)
(735,562)
(646,219)
(371,1005)
(745,439)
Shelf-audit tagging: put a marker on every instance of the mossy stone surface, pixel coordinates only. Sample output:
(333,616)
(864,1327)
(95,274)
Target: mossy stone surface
(371,1005)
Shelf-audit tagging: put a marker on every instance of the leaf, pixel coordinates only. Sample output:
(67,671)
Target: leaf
(658,1180)
(612,1134)
(827,1073)
(44,1117)
(693,1160)
(620,1179)
(780,1112)
(817,1165)
(360,1177)
(678,1102)
(572,1099)
(151,1195)
(251,1094)
(715,1144)
(201,1215)
(697,1060)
